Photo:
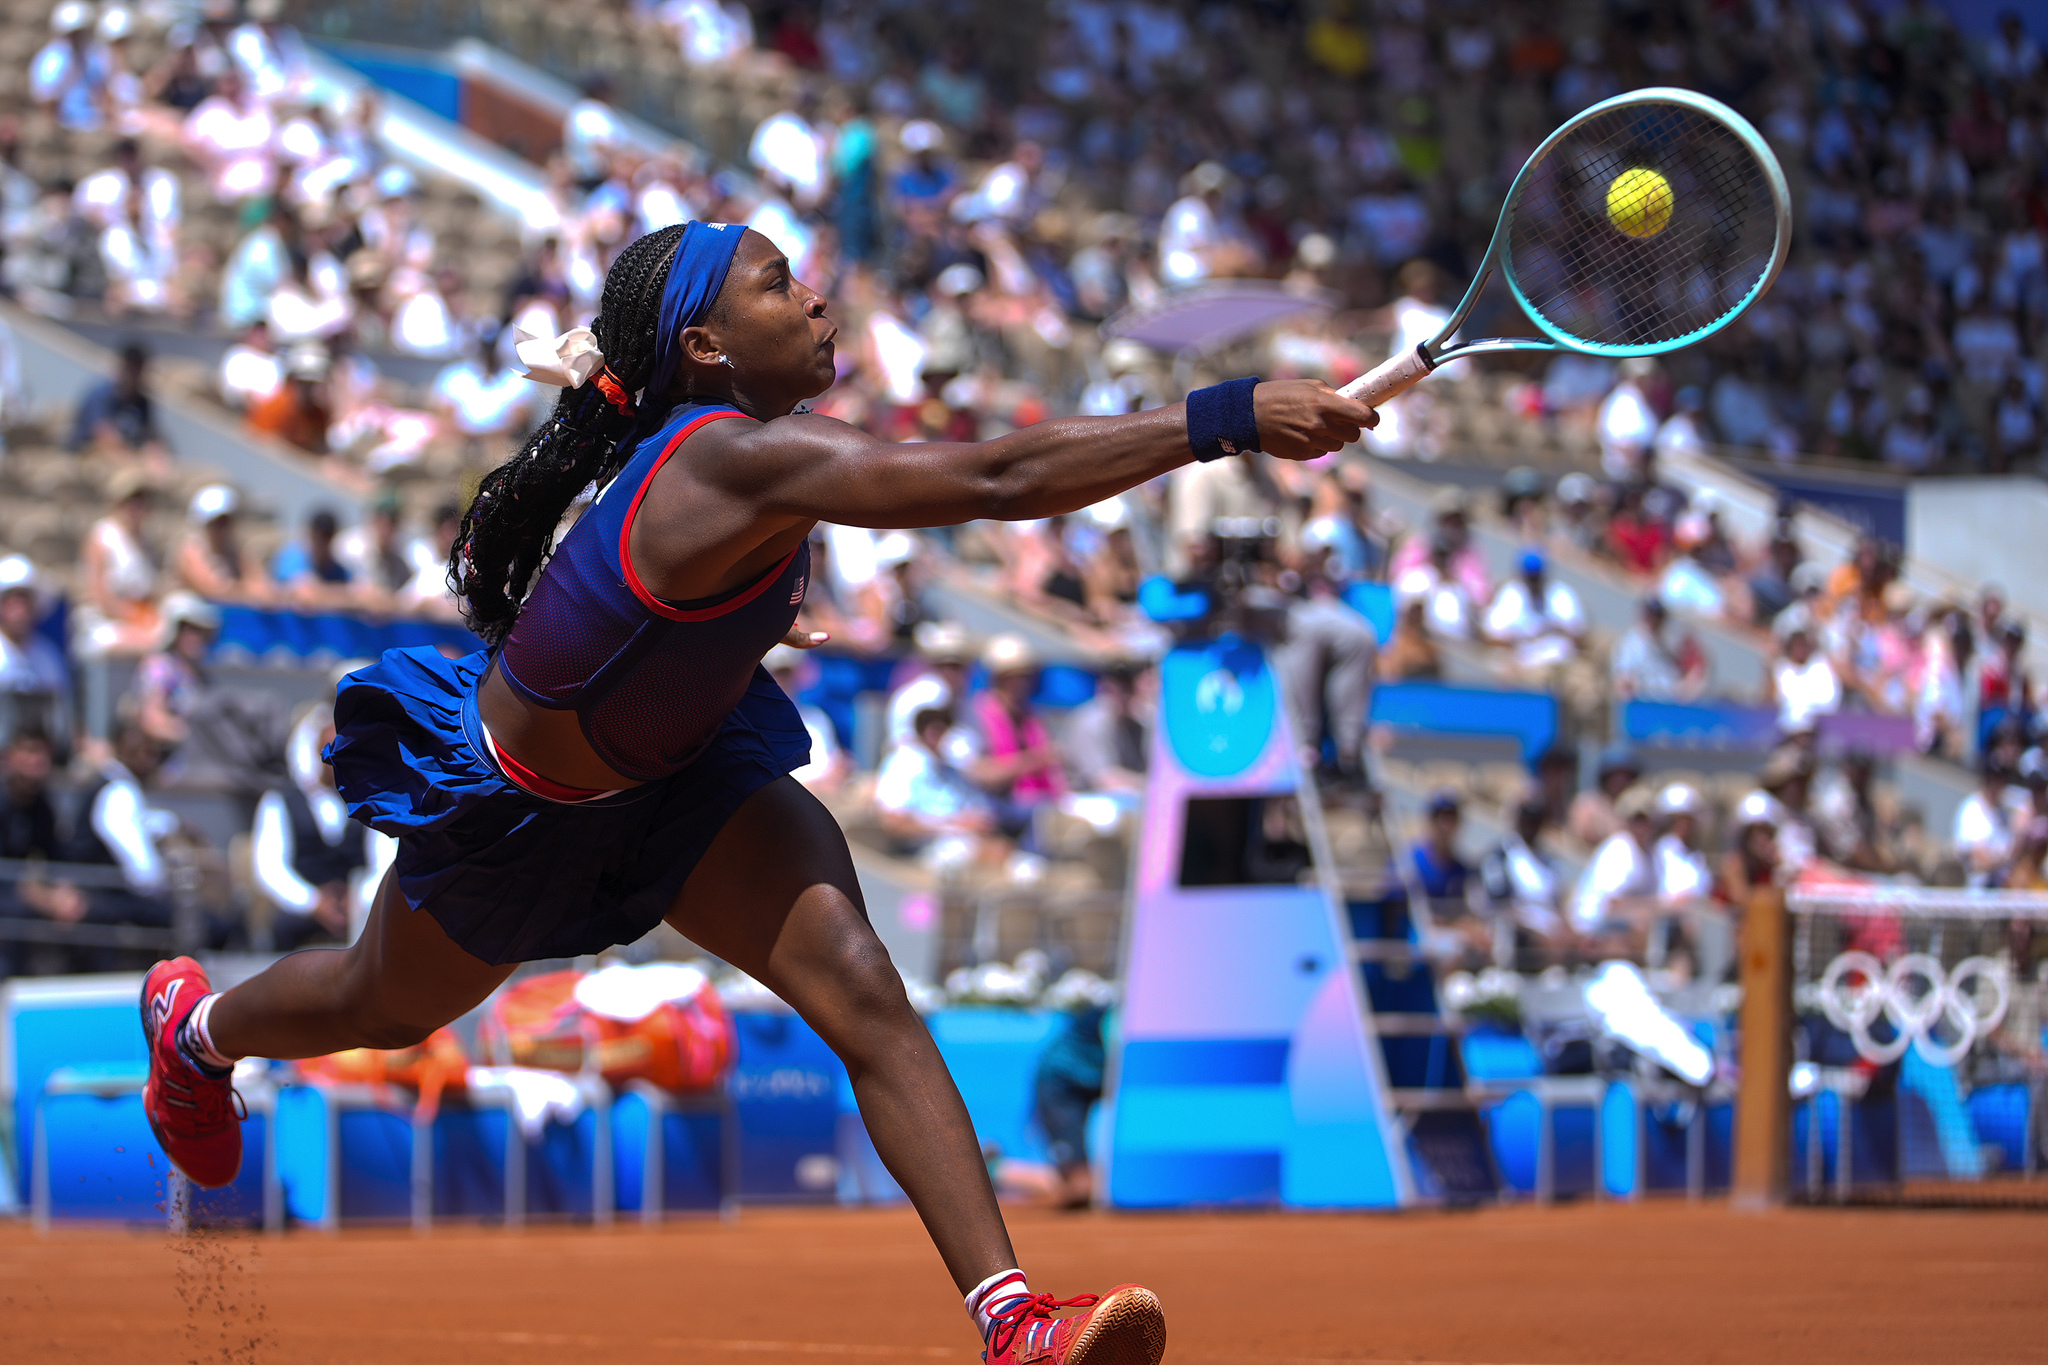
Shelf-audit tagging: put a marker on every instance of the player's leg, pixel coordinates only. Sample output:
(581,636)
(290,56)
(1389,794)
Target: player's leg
(775,895)
(398,982)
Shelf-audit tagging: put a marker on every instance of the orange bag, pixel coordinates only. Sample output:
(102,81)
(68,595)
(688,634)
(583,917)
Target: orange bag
(435,1066)
(681,1045)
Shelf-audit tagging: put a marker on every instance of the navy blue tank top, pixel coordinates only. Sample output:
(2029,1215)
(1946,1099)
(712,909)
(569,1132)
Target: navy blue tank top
(650,681)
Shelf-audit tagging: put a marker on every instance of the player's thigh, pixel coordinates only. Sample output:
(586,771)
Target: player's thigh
(404,969)
(776,896)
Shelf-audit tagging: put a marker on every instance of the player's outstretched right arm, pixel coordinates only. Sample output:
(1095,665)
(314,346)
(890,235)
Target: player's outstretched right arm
(806,467)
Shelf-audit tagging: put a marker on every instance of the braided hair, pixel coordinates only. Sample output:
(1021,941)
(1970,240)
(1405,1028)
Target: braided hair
(509,529)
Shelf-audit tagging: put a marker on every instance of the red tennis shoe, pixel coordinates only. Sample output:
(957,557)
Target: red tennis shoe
(193,1115)
(1123,1327)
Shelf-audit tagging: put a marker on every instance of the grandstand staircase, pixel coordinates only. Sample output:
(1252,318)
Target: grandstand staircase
(1358,864)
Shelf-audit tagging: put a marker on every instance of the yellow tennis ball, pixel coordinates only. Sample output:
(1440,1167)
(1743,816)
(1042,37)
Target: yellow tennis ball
(1639,202)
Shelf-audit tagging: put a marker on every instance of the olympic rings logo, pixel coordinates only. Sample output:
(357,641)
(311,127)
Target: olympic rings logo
(1918,1000)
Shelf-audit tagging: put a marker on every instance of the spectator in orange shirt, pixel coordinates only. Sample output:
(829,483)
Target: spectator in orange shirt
(298,411)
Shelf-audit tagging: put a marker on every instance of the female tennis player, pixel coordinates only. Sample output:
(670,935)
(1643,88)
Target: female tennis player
(617,756)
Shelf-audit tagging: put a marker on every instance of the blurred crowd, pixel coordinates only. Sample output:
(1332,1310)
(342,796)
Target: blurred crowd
(975,207)
(1121,150)
(977,190)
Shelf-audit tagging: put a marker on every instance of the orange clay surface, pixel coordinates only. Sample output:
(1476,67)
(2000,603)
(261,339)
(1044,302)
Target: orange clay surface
(1658,1283)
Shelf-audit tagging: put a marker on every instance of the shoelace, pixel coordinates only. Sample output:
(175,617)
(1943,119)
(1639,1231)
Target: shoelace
(1004,1326)
(214,1101)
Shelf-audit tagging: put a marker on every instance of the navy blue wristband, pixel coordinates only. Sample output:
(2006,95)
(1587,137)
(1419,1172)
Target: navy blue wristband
(1221,421)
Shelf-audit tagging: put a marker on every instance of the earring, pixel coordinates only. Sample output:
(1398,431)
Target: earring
(726,361)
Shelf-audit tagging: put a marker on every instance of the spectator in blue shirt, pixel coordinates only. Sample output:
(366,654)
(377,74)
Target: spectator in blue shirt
(1454,931)
(1439,871)
(116,417)
(308,571)
(925,183)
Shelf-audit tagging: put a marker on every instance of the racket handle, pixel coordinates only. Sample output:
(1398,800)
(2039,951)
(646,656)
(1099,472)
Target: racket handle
(1396,376)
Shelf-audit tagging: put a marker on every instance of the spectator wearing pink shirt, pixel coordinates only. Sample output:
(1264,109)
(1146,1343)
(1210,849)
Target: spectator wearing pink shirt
(1019,767)
(1453,530)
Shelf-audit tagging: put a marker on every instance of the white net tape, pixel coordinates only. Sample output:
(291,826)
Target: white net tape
(1920,902)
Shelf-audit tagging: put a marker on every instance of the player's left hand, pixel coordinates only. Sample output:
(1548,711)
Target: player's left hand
(1300,419)
(799,638)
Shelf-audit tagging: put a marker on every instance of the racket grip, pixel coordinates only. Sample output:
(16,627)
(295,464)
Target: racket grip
(1396,376)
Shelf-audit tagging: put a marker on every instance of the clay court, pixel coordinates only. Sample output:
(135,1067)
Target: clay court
(1656,1283)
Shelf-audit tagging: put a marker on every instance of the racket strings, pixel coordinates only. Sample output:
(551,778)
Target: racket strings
(1651,259)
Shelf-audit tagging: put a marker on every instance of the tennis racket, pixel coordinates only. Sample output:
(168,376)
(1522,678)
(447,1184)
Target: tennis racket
(1646,223)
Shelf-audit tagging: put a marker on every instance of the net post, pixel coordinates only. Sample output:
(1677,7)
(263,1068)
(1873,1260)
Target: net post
(1763,1108)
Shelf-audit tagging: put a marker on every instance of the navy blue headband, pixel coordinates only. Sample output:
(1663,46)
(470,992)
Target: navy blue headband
(703,257)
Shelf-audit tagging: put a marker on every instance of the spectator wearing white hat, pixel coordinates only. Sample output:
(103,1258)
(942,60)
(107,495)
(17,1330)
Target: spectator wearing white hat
(948,655)
(1751,861)
(1193,240)
(35,684)
(925,183)
(68,77)
(298,413)
(1682,873)
(172,682)
(209,561)
(127,98)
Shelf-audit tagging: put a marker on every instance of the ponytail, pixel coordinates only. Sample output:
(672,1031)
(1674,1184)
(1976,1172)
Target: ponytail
(509,529)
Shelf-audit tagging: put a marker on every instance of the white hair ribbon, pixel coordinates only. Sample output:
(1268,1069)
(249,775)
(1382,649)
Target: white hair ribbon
(566,361)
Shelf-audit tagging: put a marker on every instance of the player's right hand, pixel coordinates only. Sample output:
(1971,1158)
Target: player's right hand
(1300,419)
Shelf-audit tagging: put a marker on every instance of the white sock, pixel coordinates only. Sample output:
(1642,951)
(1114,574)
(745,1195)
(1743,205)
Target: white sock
(992,1295)
(197,1042)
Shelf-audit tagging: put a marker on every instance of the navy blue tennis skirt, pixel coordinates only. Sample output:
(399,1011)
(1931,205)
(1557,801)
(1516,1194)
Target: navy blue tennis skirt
(512,876)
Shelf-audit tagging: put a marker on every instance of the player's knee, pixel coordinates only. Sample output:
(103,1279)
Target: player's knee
(864,979)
